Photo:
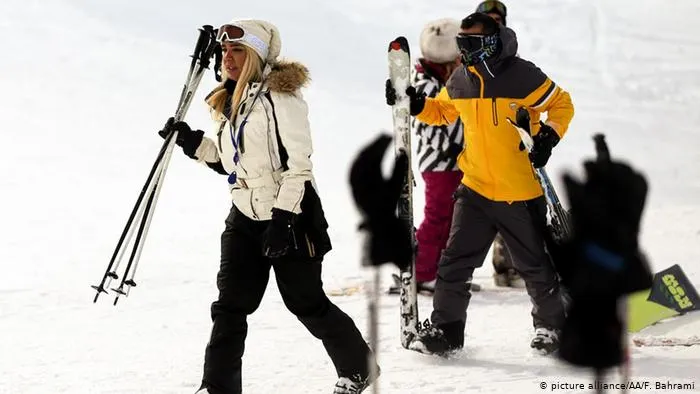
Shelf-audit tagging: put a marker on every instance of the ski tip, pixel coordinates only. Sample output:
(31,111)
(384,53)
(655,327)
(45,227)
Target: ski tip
(399,44)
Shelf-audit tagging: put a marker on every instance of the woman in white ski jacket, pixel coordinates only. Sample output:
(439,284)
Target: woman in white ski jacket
(262,142)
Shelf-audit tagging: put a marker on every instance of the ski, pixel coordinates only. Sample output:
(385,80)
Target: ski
(395,288)
(400,75)
(671,294)
(344,291)
(558,220)
(693,340)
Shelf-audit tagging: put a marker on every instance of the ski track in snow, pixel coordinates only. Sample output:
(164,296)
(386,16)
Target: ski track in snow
(87,84)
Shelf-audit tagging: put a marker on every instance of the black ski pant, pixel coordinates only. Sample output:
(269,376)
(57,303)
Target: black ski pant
(242,279)
(475,222)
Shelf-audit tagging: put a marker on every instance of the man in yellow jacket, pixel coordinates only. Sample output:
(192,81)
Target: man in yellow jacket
(499,190)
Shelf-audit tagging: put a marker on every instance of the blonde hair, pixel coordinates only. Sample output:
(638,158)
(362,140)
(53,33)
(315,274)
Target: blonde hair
(250,72)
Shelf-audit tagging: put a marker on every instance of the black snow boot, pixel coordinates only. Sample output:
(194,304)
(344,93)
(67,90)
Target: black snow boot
(354,384)
(442,340)
(546,340)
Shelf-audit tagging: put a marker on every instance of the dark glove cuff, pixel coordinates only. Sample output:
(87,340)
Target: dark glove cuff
(549,135)
(389,93)
(190,142)
(417,104)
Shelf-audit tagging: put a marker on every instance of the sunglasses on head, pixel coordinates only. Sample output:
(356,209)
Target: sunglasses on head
(492,6)
(229,33)
(233,33)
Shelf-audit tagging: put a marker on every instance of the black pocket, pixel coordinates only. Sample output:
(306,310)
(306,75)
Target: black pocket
(313,224)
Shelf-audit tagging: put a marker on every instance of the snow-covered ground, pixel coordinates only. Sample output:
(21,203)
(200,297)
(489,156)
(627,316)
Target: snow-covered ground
(86,84)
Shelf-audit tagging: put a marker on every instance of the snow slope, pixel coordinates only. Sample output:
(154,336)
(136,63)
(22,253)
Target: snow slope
(86,85)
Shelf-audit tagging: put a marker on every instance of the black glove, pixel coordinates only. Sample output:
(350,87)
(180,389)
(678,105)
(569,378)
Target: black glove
(187,138)
(543,143)
(604,259)
(279,235)
(389,238)
(417,100)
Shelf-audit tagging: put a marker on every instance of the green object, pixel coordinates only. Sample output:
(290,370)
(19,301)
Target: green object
(642,313)
(671,294)
(671,288)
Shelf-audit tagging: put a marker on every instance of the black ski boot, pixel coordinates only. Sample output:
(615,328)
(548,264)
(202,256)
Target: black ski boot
(441,340)
(353,385)
(546,340)
(350,385)
(504,275)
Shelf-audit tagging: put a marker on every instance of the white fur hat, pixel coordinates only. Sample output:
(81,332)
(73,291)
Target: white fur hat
(437,40)
(262,37)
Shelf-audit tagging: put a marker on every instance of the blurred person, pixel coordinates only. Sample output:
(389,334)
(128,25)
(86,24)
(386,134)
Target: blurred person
(605,260)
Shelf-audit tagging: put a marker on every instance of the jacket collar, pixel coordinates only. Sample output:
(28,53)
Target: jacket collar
(284,77)
(491,68)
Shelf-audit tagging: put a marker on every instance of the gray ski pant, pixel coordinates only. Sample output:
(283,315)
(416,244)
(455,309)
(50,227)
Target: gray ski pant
(475,222)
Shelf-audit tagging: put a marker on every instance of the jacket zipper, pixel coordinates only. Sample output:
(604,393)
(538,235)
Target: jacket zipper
(484,136)
(494,111)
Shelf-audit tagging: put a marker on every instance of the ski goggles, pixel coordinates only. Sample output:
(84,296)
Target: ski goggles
(476,48)
(235,34)
(492,6)
(475,42)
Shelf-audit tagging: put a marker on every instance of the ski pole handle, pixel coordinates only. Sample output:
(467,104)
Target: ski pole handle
(209,46)
(601,148)
(525,136)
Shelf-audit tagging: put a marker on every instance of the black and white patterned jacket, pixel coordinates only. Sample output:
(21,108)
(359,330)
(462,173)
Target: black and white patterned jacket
(438,146)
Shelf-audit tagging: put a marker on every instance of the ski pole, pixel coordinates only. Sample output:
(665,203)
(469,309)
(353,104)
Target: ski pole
(128,277)
(373,329)
(562,224)
(109,273)
(201,62)
(203,51)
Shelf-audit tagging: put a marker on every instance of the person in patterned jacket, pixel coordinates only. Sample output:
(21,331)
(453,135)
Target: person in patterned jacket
(438,147)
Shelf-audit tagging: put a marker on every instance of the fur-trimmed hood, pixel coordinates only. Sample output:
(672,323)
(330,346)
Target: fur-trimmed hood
(288,77)
(285,77)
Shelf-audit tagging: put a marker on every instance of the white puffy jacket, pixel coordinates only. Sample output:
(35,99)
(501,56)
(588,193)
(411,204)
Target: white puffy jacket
(267,179)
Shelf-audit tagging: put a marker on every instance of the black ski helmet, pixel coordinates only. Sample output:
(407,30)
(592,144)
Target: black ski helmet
(493,6)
